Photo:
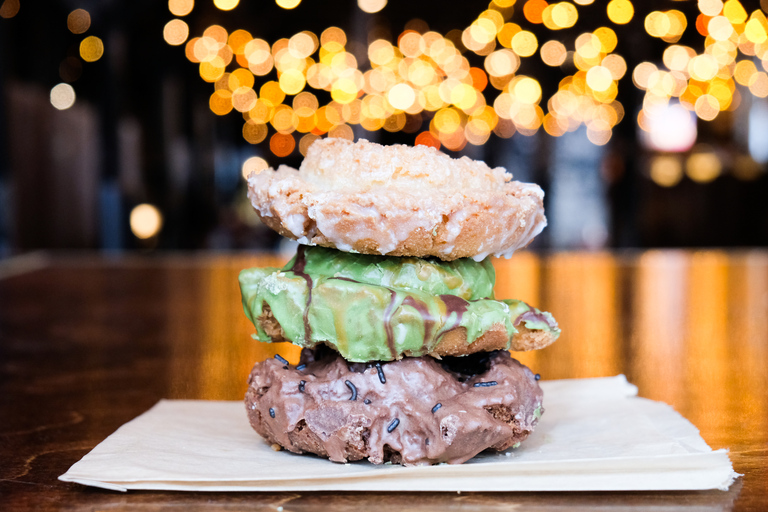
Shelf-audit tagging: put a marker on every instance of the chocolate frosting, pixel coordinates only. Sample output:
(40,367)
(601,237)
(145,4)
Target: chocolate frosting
(413,411)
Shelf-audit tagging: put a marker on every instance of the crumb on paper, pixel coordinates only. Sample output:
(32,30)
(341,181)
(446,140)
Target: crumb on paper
(276,447)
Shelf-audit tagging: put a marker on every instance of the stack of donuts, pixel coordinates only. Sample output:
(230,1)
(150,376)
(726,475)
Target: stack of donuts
(390,294)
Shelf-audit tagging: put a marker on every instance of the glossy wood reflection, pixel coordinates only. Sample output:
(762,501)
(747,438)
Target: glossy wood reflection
(88,343)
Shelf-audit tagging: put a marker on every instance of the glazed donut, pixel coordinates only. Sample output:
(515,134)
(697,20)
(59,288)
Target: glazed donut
(413,411)
(398,201)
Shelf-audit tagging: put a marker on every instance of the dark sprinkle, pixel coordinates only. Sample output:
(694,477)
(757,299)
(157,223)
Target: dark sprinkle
(436,407)
(485,384)
(537,376)
(382,378)
(271,412)
(301,367)
(367,401)
(285,367)
(301,386)
(392,426)
(426,442)
(281,359)
(351,388)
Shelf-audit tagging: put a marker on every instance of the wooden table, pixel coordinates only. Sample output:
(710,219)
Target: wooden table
(89,342)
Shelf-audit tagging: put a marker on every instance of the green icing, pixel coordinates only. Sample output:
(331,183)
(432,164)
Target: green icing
(364,321)
(464,277)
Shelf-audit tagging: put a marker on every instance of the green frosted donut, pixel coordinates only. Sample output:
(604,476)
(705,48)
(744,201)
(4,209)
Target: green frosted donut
(326,296)
(464,277)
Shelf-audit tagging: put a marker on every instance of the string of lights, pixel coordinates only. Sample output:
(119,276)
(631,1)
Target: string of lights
(425,78)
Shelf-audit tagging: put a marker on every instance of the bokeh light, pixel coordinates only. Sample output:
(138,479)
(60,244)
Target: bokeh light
(62,96)
(181,7)
(666,170)
(460,88)
(371,6)
(9,8)
(91,49)
(78,21)
(175,32)
(254,164)
(226,5)
(145,221)
(620,11)
(288,4)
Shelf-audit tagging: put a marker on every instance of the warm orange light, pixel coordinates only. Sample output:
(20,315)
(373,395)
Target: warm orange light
(175,32)
(226,5)
(181,7)
(78,21)
(282,144)
(254,164)
(620,11)
(9,9)
(534,9)
(91,49)
(145,221)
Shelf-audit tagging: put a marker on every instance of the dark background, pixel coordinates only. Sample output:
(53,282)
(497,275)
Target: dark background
(141,132)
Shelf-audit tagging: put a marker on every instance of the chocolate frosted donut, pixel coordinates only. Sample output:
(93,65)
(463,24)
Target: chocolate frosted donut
(414,411)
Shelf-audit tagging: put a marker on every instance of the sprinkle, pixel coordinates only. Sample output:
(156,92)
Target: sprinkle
(271,412)
(426,442)
(301,367)
(281,359)
(537,376)
(382,378)
(436,407)
(485,384)
(301,386)
(392,426)
(276,447)
(367,401)
(351,388)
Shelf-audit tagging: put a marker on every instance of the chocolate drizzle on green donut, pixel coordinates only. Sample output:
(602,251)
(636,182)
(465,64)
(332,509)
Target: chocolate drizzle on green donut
(388,323)
(311,301)
(299,263)
(426,316)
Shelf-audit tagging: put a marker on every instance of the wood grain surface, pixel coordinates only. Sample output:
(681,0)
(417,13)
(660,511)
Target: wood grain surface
(88,342)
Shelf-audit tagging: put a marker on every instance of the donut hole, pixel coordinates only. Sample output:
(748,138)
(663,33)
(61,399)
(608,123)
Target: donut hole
(392,455)
(464,368)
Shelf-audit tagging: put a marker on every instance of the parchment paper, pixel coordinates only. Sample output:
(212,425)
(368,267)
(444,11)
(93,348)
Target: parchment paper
(595,434)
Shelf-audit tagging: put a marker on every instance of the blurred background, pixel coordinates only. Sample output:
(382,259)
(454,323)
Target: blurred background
(130,124)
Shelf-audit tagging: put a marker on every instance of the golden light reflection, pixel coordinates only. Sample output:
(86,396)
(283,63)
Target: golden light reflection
(578,287)
(747,332)
(520,278)
(706,327)
(658,336)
